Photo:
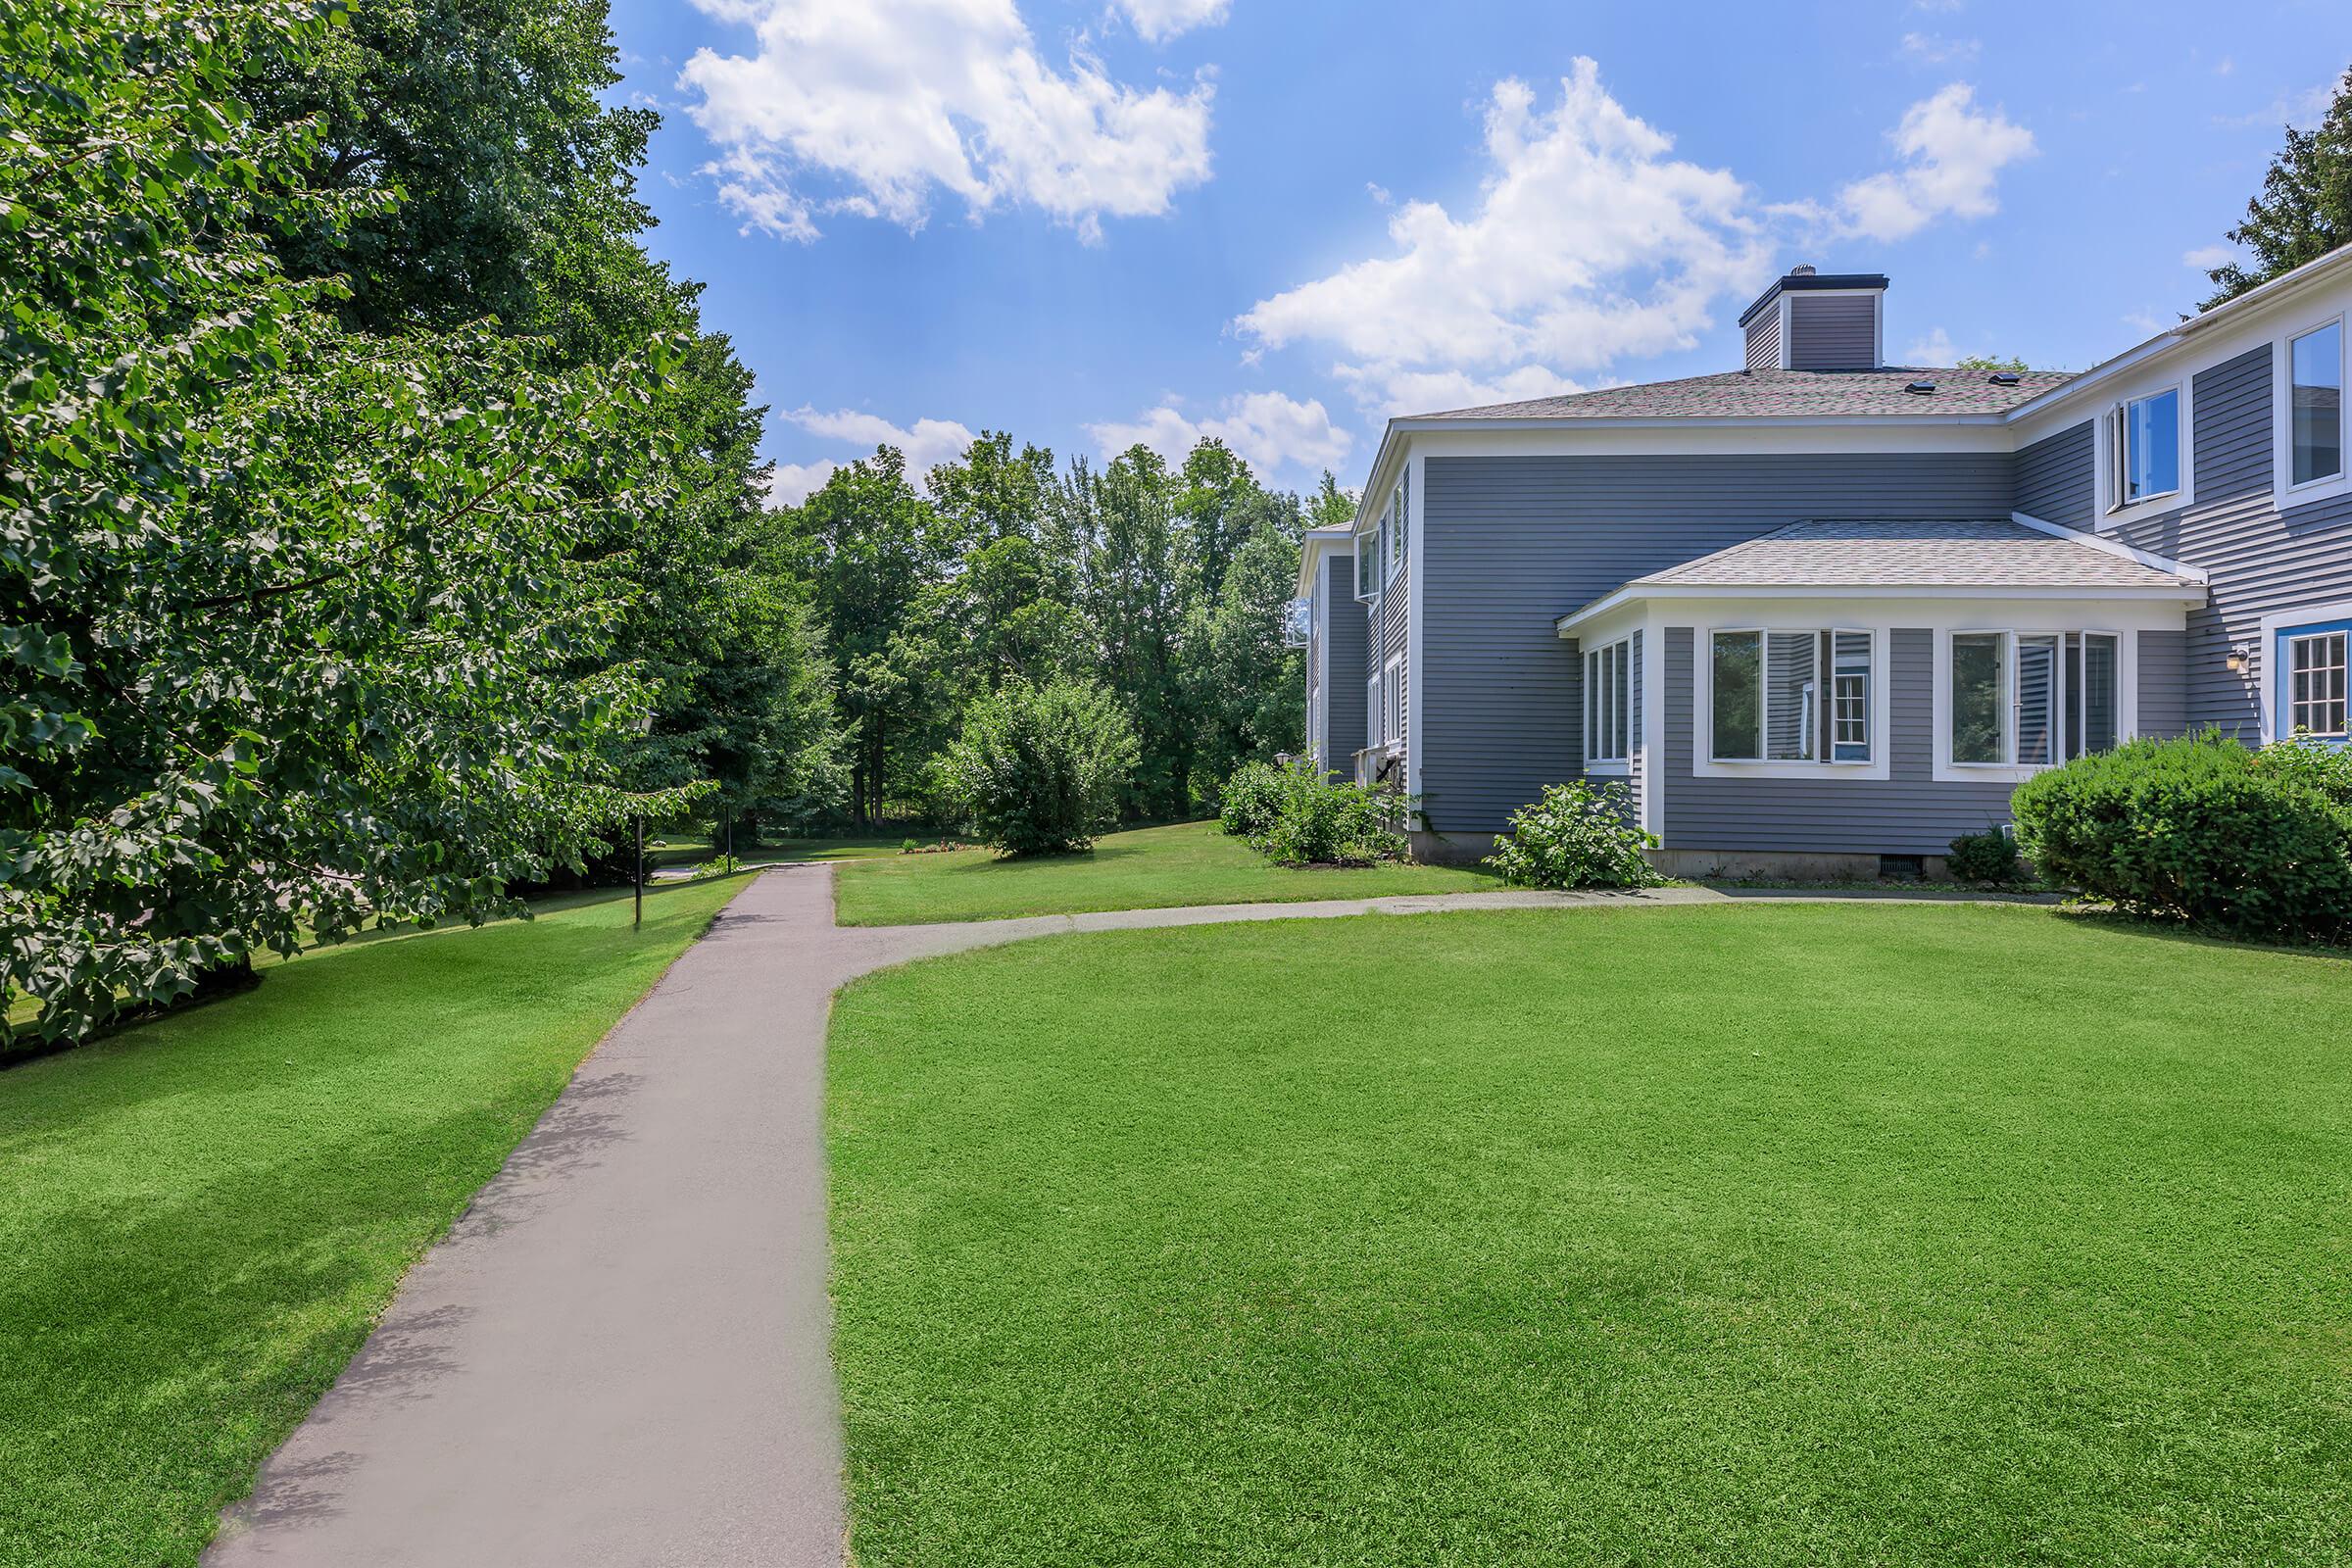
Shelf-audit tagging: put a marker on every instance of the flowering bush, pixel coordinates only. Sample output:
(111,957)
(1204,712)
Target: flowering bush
(1578,835)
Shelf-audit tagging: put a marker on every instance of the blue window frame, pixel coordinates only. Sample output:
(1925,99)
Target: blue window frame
(2309,689)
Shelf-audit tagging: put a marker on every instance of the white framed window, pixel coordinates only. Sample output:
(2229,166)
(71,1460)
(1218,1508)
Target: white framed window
(1392,699)
(1399,511)
(2310,363)
(2147,449)
(1810,697)
(2010,702)
(1609,706)
(1374,735)
(2314,682)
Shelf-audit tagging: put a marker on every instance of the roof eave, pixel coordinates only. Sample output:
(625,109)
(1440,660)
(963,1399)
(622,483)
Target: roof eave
(1642,590)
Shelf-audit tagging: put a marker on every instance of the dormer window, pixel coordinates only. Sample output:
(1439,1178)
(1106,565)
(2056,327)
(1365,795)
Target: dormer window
(2145,439)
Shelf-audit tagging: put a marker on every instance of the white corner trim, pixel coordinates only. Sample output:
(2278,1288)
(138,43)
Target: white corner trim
(1416,531)
(2113,547)
(1653,727)
(2278,623)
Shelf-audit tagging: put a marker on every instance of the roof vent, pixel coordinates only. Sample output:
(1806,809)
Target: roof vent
(1921,388)
(1801,269)
(2002,378)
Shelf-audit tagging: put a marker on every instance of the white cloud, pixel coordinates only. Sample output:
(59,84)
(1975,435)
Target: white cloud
(875,107)
(1269,430)
(2205,257)
(1953,155)
(1588,242)
(926,443)
(1935,350)
(1158,20)
(1396,392)
(2147,323)
(1933,49)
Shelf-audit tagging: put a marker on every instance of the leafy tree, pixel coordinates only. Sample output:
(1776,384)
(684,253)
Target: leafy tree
(296,625)
(871,546)
(1040,769)
(1330,506)
(2305,209)
(1249,690)
(2014,364)
(1134,593)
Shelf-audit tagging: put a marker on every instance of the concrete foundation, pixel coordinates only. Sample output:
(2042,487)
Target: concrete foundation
(1740,866)
(1453,849)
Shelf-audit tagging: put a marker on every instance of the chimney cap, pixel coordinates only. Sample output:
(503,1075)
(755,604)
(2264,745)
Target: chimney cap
(1801,278)
(1802,269)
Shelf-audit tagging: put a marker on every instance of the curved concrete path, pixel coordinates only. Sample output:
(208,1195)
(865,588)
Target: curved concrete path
(621,1354)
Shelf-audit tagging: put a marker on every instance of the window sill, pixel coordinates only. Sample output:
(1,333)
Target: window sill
(2309,492)
(2141,510)
(1618,768)
(1841,773)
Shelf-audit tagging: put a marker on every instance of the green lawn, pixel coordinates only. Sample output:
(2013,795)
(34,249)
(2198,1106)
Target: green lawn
(204,1215)
(1739,1235)
(1148,869)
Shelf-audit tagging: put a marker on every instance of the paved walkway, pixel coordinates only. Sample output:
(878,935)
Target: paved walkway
(620,1354)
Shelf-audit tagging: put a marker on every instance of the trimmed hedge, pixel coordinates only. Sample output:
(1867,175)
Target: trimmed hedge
(2253,844)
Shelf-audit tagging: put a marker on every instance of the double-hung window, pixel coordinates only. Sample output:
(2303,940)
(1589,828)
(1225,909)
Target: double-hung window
(1397,540)
(2030,699)
(2315,406)
(2315,683)
(1609,702)
(1791,696)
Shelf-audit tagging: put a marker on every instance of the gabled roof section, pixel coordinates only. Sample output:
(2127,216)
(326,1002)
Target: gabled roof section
(1783,394)
(1991,557)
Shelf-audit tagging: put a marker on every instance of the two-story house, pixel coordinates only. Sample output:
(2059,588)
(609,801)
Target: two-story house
(1821,613)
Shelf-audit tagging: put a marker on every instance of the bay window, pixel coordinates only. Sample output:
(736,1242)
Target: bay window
(1791,696)
(1608,702)
(2030,699)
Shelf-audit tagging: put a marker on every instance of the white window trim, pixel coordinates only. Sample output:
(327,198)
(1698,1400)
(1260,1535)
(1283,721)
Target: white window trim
(1389,687)
(1705,765)
(2284,493)
(1612,767)
(2278,624)
(2126,700)
(2106,437)
(1374,714)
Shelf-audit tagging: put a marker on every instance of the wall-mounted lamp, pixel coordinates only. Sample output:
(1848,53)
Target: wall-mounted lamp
(2240,658)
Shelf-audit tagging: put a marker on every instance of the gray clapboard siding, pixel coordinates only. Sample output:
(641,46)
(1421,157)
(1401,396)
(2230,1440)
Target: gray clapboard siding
(1764,341)
(2056,478)
(2258,558)
(1344,666)
(2163,683)
(1833,332)
(1905,814)
(1509,543)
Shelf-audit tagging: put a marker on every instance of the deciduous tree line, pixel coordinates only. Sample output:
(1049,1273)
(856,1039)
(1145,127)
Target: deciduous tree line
(1165,585)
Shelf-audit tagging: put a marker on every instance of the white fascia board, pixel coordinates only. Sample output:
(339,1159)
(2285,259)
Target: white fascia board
(1387,460)
(2114,547)
(2221,333)
(1313,545)
(1987,593)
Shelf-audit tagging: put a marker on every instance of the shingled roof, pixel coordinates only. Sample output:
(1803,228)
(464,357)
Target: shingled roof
(1784,394)
(1991,557)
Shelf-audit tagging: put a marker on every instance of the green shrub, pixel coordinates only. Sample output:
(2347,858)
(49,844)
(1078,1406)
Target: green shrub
(2315,764)
(1987,856)
(2202,829)
(1577,835)
(1319,821)
(1039,768)
(1249,799)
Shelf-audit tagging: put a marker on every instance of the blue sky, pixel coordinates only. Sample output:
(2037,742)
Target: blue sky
(1283,220)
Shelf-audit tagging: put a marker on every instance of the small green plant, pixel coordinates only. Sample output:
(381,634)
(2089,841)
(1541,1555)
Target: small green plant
(1577,835)
(2252,844)
(1250,799)
(1987,856)
(910,845)
(1039,768)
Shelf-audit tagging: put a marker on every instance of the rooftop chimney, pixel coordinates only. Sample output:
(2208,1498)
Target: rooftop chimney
(1811,321)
